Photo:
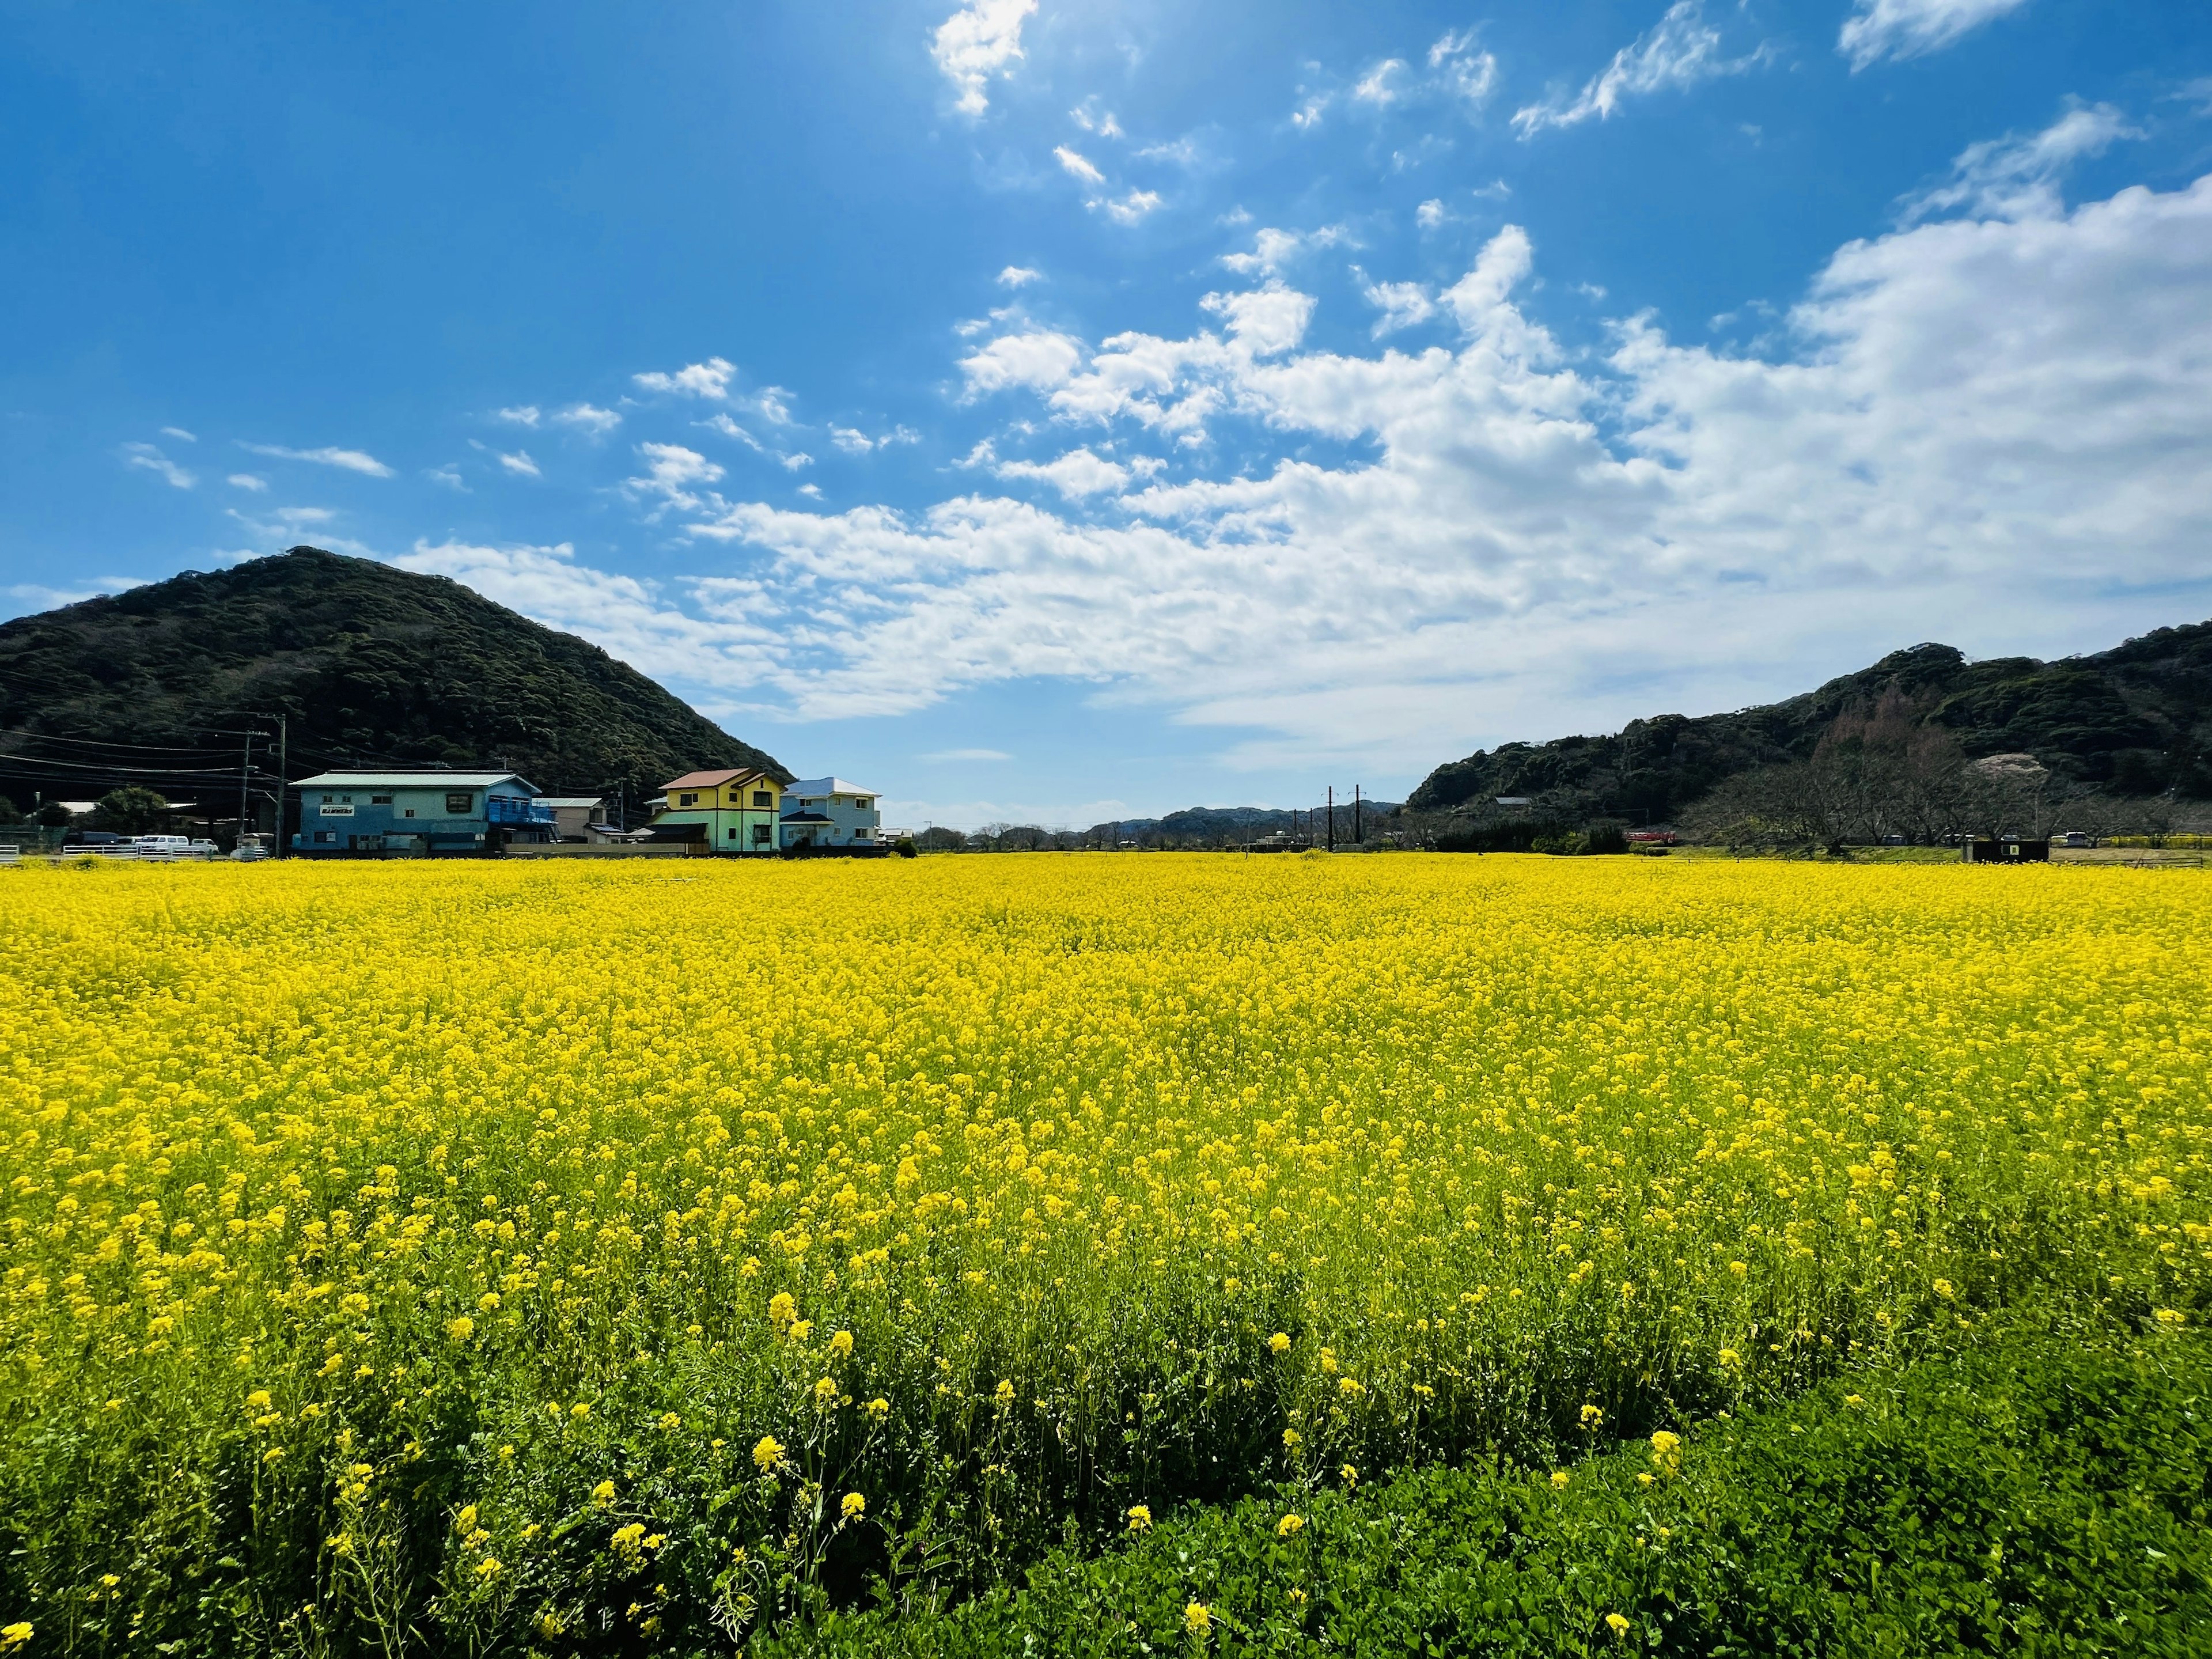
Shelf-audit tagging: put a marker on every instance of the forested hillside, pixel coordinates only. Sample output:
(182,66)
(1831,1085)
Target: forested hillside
(2133,720)
(372,666)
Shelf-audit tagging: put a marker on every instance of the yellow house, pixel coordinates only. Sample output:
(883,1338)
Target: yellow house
(731,812)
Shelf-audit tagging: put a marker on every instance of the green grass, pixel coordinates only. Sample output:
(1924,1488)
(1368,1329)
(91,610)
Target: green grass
(2047,1493)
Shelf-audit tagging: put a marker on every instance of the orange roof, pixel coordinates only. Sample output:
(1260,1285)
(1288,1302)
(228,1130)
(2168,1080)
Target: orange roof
(715,779)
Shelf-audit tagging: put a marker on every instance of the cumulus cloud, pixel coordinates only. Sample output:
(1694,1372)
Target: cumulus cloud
(150,457)
(519,464)
(673,476)
(1991,427)
(521,415)
(709,379)
(1077,474)
(1019,276)
(2018,176)
(597,423)
(1679,51)
(1402,305)
(346,460)
(1912,29)
(1037,359)
(247,481)
(1273,249)
(1128,209)
(976,42)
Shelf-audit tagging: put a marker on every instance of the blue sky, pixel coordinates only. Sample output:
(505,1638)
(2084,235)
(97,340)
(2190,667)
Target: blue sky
(1061,410)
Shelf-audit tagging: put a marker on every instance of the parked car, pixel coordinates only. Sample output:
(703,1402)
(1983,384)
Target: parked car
(173,846)
(251,849)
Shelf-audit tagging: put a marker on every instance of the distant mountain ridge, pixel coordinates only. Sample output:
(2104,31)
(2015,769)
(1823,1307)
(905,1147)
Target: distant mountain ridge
(1217,825)
(373,666)
(2134,720)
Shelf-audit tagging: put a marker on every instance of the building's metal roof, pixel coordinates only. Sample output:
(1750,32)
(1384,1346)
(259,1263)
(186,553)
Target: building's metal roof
(826,787)
(425,780)
(585,801)
(715,779)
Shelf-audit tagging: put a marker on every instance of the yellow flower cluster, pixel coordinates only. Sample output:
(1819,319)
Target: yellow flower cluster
(1073,1157)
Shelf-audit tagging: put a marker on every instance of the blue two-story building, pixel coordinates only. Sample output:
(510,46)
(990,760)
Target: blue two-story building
(425,813)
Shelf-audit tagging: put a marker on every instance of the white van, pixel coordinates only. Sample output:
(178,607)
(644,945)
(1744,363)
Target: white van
(163,847)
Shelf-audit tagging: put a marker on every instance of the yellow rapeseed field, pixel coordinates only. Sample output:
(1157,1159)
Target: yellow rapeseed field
(512,1251)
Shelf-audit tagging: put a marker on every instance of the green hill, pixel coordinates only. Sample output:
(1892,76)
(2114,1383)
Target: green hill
(372,666)
(2133,720)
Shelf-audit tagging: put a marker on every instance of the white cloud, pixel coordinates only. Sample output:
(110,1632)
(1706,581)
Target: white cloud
(709,379)
(769,401)
(1430,214)
(813,491)
(1379,86)
(247,481)
(2017,176)
(346,460)
(1469,74)
(1076,475)
(1077,167)
(180,435)
(1273,249)
(1402,305)
(1993,431)
(522,415)
(1038,359)
(1128,209)
(596,422)
(1911,28)
(1184,152)
(955,755)
(150,457)
(793,463)
(449,476)
(1264,321)
(1308,115)
(1086,115)
(1019,276)
(519,464)
(1679,50)
(851,441)
(633,620)
(672,472)
(976,42)
(730,428)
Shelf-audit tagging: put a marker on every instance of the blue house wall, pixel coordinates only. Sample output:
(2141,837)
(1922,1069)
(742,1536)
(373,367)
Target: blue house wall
(419,813)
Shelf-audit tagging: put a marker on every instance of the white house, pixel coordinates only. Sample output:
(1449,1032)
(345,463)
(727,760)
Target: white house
(830,813)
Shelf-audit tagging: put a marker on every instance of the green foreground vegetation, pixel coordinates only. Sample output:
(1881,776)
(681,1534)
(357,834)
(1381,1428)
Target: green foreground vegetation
(2047,1492)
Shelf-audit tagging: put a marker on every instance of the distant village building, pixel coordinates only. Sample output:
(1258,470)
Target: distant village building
(731,811)
(830,813)
(574,815)
(421,812)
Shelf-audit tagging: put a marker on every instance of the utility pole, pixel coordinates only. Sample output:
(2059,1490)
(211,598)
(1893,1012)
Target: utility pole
(1332,817)
(245,771)
(284,751)
(1358,826)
